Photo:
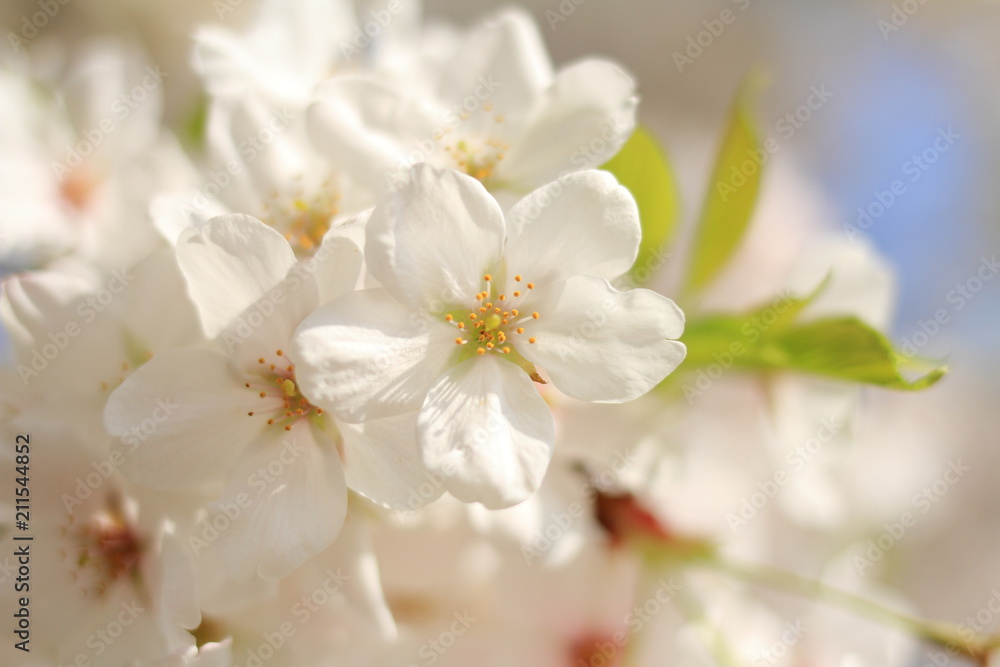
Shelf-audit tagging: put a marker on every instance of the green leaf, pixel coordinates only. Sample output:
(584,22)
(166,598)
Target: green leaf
(768,338)
(732,192)
(848,349)
(642,167)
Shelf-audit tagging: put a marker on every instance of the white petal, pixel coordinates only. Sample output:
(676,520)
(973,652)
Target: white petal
(340,256)
(488,431)
(294,503)
(504,56)
(229,264)
(365,355)
(268,324)
(431,240)
(583,120)
(382,463)
(182,418)
(172,214)
(363,123)
(599,344)
(583,223)
(158,280)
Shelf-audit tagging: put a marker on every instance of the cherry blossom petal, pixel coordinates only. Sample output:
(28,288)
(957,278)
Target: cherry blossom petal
(286,501)
(382,463)
(432,239)
(599,344)
(365,355)
(583,120)
(583,223)
(182,418)
(488,431)
(229,264)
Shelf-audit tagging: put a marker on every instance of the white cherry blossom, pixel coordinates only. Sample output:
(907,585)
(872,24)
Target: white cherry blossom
(469,302)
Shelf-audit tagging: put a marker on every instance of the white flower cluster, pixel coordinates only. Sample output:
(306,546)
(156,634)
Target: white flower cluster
(317,384)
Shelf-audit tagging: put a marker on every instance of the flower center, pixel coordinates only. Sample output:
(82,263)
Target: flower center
(78,187)
(105,549)
(477,157)
(303,217)
(276,383)
(494,322)
(476,153)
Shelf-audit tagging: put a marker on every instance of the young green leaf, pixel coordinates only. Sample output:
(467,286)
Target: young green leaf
(732,193)
(642,167)
(768,338)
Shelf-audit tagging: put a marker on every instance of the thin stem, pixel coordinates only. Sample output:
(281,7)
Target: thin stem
(945,634)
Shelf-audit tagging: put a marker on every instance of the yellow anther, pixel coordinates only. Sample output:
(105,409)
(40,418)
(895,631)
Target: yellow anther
(517,278)
(534,316)
(531,285)
(487,277)
(520,330)
(506,350)
(516,293)
(448,317)
(531,340)
(481,351)
(458,341)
